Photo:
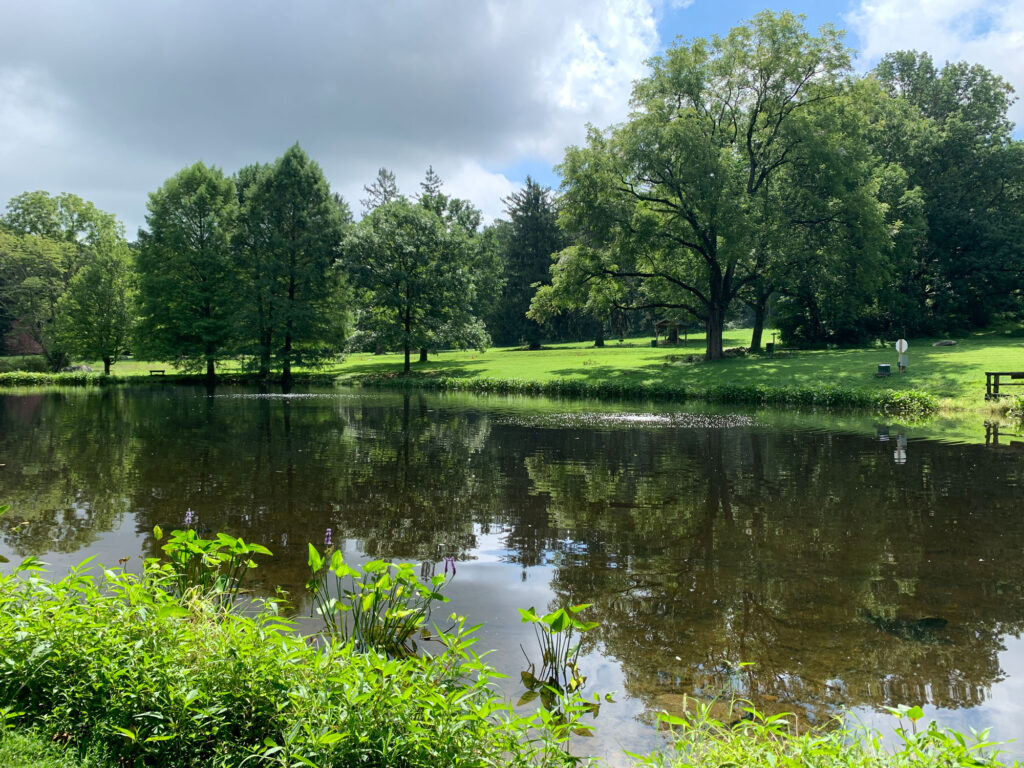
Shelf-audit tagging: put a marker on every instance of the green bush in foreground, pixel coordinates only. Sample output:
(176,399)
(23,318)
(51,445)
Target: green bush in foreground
(162,670)
(115,664)
(754,739)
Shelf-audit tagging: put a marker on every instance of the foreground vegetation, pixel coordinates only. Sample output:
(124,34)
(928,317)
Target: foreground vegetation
(164,669)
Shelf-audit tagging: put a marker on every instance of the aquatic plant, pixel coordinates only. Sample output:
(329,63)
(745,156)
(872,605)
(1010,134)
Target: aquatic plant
(380,607)
(748,737)
(214,567)
(559,636)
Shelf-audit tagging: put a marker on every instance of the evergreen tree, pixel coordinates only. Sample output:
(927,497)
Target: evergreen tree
(293,231)
(188,283)
(527,246)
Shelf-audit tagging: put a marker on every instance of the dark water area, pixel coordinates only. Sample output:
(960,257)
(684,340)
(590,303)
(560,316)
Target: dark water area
(855,564)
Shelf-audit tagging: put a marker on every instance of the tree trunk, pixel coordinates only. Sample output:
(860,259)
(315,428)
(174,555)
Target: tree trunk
(266,342)
(673,335)
(106,366)
(759,305)
(423,355)
(211,374)
(599,337)
(286,368)
(378,348)
(714,325)
(405,368)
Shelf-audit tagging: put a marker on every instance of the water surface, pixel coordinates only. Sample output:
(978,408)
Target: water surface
(855,563)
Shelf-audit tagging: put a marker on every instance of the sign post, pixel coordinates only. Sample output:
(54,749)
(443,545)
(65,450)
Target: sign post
(901,351)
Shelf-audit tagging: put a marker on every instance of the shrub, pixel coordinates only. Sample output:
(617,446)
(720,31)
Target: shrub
(114,663)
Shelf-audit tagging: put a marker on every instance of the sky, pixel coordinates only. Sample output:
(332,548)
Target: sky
(109,99)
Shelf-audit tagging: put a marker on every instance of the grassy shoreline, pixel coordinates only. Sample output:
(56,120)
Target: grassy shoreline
(939,378)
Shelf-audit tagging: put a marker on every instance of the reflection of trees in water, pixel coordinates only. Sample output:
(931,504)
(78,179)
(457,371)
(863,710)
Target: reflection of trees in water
(840,575)
(68,469)
(407,482)
(847,579)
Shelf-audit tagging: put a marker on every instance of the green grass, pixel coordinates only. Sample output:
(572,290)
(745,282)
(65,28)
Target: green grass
(954,375)
(30,749)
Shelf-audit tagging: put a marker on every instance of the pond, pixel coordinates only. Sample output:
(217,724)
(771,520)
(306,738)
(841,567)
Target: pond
(856,564)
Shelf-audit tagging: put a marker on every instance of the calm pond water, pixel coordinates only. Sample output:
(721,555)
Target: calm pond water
(856,564)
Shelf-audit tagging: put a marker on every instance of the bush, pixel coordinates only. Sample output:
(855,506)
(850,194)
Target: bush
(116,664)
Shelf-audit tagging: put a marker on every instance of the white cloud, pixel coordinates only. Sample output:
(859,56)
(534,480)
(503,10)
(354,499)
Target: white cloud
(987,32)
(126,93)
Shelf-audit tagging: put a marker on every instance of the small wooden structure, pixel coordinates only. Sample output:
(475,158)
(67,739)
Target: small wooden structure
(993,381)
(156,371)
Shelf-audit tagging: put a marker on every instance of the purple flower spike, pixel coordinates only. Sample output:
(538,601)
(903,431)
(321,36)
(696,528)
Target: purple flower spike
(449,561)
(190,517)
(327,537)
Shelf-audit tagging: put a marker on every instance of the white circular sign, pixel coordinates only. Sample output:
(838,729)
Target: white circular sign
(901,346)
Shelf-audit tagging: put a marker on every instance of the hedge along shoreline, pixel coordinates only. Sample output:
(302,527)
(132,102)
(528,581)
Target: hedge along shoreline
(904,402)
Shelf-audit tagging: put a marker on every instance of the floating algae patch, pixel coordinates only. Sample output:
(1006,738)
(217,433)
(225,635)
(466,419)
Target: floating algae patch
(594,419)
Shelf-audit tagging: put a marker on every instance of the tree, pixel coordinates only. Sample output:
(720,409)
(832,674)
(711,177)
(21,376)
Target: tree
(65,217)
(670,198)
(33,276)
(413,275)
(529,242)
(461,219)
(55,237)
(294,228)
(950,131)
(382,190)
(188,284)
(96,316)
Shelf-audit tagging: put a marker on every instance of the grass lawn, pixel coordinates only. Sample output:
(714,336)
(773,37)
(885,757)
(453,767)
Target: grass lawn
(954,374)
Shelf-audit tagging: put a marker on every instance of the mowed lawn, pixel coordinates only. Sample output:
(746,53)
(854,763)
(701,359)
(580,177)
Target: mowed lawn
(954,374)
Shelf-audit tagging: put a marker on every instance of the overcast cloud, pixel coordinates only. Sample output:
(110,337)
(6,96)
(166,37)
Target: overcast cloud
(108,99)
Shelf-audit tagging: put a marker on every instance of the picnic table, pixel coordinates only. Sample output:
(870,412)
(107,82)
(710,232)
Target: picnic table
(993,381)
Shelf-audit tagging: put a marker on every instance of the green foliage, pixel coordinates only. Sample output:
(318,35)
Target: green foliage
(188,287)
(1016,409)
(906,402)
(378,608)
(747,737)
(556,632)
(951,134)
(212,567)
(27,749)
(683,205)
(36,379)
(414,276)
(126,669)
(292,308)
(526,247)
(65,217)
(96,315)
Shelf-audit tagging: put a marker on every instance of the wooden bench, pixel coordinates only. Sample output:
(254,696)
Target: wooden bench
(156,371)
(993,382)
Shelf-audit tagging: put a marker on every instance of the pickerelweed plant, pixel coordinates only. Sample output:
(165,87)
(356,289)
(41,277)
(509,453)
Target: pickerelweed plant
(212,567)
(559,636)
(381,607)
